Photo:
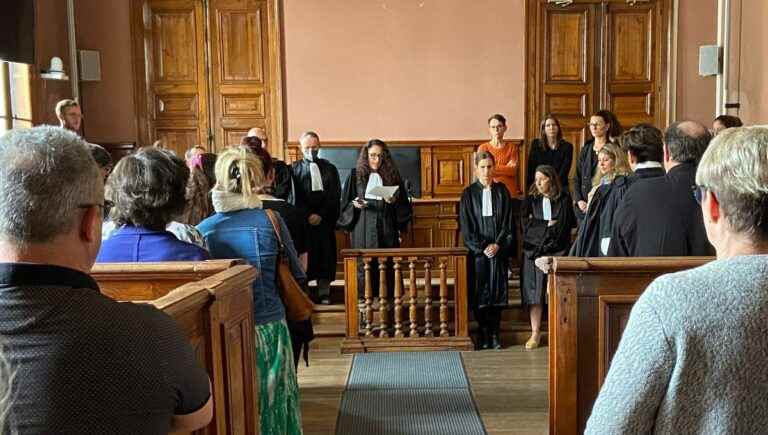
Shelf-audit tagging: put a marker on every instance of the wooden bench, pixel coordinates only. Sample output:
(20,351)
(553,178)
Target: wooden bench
(589,304)
(213,303)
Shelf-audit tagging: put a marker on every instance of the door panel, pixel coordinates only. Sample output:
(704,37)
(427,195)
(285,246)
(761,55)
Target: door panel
(568,44)
(239,68)
(634,58)
(173,37)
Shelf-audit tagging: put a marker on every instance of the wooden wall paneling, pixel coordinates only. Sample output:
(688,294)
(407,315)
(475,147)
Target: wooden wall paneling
(613,314)
(239,68)
(451,170)
(169,43)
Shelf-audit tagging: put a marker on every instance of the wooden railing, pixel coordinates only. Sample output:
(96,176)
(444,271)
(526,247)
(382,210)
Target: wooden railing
(421,314)
(590,300)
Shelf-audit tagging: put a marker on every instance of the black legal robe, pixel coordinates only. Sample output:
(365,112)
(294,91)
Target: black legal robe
(658,217)
(541,239)
(283,185)
(488,277)
(560,159)
(596,230)
(294,219)
(325,203)
(378,225)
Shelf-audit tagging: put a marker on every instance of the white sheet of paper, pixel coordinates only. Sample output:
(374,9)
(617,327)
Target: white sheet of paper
(384,191)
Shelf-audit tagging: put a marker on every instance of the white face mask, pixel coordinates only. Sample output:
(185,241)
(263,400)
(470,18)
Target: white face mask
(311,154)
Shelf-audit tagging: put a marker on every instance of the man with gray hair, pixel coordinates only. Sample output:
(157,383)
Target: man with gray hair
(83,362)
(318,194)
(659,216)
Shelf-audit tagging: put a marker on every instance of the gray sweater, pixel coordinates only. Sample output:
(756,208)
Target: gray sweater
(694,355)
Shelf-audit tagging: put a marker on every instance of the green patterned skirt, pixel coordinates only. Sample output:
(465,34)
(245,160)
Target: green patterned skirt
(278,387)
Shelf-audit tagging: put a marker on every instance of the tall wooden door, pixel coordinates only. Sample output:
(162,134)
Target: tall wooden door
(587,55)
(206,71)
(169,55)
(239,68)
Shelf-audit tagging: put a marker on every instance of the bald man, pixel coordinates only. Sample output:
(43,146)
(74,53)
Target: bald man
(659,217)
(283,187)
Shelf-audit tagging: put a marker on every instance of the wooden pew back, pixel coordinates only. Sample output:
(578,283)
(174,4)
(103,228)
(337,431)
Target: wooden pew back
(149,281)
(216,313)
(590,300)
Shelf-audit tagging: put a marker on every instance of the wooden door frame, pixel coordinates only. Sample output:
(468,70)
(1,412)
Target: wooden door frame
(276,125)
(667,79)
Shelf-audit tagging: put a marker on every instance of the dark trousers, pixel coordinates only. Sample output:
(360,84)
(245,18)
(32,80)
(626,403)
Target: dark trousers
(488,318)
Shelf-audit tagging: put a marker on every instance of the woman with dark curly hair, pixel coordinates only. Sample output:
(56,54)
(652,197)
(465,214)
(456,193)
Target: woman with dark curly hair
(148,190)
(374,221)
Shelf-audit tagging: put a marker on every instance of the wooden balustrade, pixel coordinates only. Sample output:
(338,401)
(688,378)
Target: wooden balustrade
(589,304)
(392,322)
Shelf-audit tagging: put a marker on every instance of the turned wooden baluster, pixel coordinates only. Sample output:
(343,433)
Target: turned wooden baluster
(443,299)
(398,299)
(368,297)
(428,299)
(383,307)
(413,314)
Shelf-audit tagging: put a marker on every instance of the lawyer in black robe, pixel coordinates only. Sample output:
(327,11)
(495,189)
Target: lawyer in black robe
(325,203)
(480,228)
(540,239)
(377,223)
(659,217)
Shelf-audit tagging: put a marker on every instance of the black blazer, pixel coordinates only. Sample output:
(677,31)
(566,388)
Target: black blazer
(659,217)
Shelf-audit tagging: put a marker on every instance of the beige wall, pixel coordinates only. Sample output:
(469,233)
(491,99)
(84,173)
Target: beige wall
(403,69)
(397,69)
(108,107)
(752,68)
(696,95)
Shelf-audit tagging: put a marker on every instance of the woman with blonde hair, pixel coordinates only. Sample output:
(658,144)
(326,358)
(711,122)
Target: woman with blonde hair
(692,356)
(611,162)
(240,228)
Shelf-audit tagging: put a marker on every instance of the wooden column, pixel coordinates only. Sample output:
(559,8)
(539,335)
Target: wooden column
(428,298)
(398,298)
(383,307)
(413,313)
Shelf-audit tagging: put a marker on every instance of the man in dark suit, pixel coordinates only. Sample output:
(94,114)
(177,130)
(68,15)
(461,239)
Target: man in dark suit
(645,151)
(659,216)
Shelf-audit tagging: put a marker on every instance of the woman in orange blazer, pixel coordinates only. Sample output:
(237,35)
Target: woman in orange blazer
(506,155)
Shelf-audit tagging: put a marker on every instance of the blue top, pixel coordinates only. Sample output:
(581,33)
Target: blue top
(248,234)
(133,244)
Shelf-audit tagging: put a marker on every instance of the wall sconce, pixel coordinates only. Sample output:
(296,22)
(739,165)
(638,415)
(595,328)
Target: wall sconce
(56,70)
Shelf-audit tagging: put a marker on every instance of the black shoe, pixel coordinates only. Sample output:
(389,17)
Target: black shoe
(485,339)
(495,343)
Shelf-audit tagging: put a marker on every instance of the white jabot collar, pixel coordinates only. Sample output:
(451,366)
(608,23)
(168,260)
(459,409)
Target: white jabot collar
(374,180)
(487,202)
(647,165)
(546,206)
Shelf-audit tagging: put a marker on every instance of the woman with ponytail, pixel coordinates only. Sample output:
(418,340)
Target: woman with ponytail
(240,228)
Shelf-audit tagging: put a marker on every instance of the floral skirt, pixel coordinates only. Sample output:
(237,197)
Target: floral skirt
(279,407)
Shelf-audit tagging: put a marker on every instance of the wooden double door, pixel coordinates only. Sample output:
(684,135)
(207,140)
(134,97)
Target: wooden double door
(206,71)
(587,55)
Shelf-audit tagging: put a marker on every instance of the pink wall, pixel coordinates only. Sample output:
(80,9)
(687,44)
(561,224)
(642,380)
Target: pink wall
(403,69)
(697,25)
(108,104)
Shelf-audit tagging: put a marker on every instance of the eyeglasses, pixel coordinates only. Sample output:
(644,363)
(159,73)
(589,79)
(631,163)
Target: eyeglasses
(699,192)
(105,206)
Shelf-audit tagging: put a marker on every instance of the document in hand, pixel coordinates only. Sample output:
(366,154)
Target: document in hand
(384,191)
